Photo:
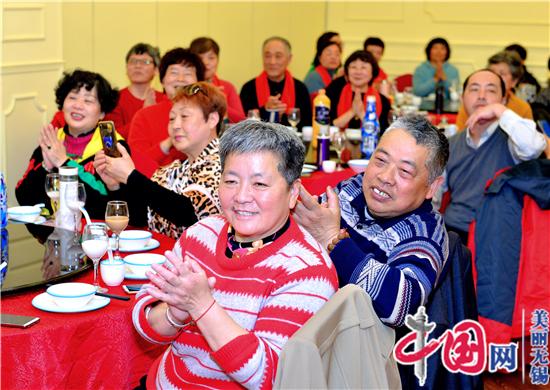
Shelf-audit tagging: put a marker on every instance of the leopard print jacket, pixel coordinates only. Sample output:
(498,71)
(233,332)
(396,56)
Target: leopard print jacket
(198,181)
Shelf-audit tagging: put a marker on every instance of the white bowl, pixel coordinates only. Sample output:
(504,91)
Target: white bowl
(24,213)
(71,295)
(358,166)
(140,263)
(353,134)
(134,239)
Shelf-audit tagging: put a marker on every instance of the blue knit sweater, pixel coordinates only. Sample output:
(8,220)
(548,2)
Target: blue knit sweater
(397,261)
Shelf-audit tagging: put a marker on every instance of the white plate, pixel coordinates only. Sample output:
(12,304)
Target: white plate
(45,302)
(152,244)
(310,166)
(38,221)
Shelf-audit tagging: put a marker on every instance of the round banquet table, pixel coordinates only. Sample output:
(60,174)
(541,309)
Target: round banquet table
(93,350)
(318,181)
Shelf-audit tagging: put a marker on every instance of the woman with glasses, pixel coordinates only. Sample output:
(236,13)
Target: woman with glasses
(149,127)
(84,98)
(142,61)
(239,285)
(183,192)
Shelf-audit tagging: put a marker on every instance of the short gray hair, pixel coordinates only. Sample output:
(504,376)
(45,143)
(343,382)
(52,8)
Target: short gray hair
(280,39)
(426,134)
(510,58)
(252,136)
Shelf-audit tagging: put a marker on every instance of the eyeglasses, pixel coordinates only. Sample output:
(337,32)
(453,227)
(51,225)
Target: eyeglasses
(193,89)
(139,61)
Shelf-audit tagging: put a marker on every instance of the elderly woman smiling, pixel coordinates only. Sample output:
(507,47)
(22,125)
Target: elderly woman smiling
(239,285)
(185,191)
(84,98)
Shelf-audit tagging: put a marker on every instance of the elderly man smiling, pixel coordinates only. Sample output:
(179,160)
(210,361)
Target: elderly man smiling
(395,244)
(275,89)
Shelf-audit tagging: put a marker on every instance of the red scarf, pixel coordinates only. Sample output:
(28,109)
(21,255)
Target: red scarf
(325,75)
(288,96)
(346,99)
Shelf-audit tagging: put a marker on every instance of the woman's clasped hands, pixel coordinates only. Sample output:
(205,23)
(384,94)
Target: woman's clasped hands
(182,285)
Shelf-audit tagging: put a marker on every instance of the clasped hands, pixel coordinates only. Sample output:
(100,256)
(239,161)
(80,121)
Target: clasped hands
(274,103)
(182,285)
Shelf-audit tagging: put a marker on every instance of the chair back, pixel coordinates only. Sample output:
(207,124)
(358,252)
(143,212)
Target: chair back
(452,300)
(343,346)
(403,81)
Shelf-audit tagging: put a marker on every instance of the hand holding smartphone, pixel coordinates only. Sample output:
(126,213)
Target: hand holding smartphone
(108,138)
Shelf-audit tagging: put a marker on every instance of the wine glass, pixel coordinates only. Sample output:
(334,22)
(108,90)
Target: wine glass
(117,217)
(75,203)
(338,143)
(95,241)
(254,114)
(52,190)
(294,118)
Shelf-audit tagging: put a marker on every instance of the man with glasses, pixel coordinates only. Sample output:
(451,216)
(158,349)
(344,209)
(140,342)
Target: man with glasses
(142,62)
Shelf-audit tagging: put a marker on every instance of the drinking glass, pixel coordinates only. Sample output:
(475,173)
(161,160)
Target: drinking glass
(117,217)
(76,203)
(294,117)
(95,241)
(338,143)
(52,190)
(254,114)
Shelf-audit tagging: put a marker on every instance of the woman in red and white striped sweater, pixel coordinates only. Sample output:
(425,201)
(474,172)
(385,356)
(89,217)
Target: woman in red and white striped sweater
(238,286)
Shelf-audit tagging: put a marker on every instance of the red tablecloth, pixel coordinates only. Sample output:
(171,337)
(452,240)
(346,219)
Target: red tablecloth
(92,350)
(317,183)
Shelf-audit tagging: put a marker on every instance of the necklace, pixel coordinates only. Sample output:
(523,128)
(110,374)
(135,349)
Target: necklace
(239,249)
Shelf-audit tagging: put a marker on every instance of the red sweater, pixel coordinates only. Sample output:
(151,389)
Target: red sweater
(126,108)
(148,128)
(271,293)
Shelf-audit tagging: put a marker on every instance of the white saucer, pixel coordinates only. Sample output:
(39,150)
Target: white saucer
(308,169)
(152,244)
(45,302)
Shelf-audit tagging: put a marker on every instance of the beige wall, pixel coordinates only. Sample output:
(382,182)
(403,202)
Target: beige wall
(32,61)
(41,39)
(475,31)
(239,29)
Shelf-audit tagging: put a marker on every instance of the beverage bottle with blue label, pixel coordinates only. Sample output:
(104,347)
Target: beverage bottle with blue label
(370,129)
(3,228)
(321,115)
(3,202)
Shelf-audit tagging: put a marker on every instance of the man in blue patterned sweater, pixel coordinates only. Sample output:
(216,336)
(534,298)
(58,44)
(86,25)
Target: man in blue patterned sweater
(397,244)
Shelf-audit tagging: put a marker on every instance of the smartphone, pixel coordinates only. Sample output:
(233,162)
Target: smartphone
(131,288)
(17,321)
(108,138)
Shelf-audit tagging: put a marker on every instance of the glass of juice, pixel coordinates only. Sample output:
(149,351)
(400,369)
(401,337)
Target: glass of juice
(117,217)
